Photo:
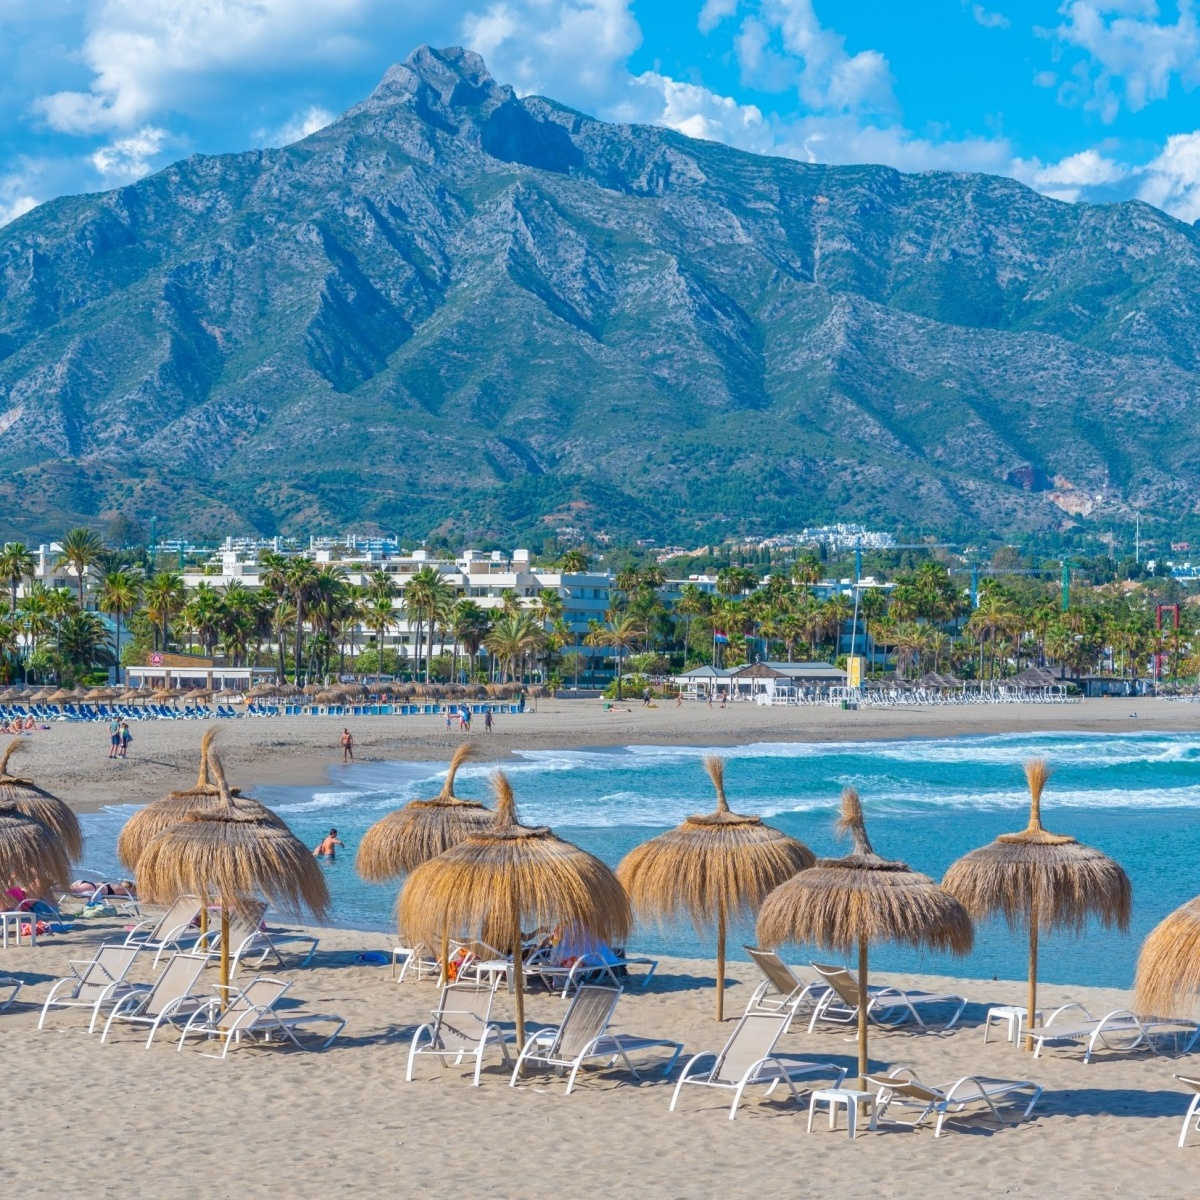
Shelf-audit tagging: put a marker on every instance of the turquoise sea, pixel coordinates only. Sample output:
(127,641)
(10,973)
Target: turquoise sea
(1135,796)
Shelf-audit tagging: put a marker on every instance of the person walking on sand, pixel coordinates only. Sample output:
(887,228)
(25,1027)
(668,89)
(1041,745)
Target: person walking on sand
(126,738)
(327,844)
(466,719)
(347,746)
(114,737)
(487,721)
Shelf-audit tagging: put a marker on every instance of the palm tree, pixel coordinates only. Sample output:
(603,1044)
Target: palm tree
(299,576)
(692,603)
(512,637)
(428,596)
(81,549)
(470,624)
(621,634)
(165,596)
(380,615)
(574,562)
(120,593)
(202,614)
(84,641)
(16,563)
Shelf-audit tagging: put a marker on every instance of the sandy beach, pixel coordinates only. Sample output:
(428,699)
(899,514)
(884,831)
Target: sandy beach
(270,1122)
(71,760)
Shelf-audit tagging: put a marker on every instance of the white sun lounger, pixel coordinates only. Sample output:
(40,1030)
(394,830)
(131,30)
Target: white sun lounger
(887,1006)
(251,944)
(93,984)
(748,1058)
(168,933)
(252,1015)
(973,1093)
(782,989)
(1117,1030)
(1193,1111)
(584,1035)
(462,1027)
(590,965)
(169,998)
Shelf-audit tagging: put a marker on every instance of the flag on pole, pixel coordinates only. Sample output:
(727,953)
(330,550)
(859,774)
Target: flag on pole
(719,637)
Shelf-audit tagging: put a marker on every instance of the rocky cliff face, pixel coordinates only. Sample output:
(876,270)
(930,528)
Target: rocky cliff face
(454,308)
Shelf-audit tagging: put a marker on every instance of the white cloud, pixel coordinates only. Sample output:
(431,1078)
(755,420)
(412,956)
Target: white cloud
(1171,180)
(557,48)
(695,111)
(1070,178)
(128,158)
(786,46)
(988,19)
(1132,56)
(299,126)
(1045,79)
(714,12)
(13,202)
(145,54)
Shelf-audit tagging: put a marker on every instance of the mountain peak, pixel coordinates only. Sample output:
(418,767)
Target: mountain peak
(440,80)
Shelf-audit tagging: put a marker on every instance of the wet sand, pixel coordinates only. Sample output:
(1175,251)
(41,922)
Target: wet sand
(71,760)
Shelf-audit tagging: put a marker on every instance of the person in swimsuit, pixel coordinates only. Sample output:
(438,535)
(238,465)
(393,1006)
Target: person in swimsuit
(347,746)
(114,737)
(328,843)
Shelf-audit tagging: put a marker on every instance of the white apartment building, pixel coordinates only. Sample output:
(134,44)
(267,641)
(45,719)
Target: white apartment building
(485,578)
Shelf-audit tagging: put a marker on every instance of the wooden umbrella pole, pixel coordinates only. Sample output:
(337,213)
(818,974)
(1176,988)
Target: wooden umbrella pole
(862,1014)
(721,960)
(224,953)
(518,970)
(1030,1019)
(445,956)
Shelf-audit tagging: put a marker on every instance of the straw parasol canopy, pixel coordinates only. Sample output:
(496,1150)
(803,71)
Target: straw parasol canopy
(1168,969)
(421,830)
(148,822)
(1040,880)
(226,852)
(24,796)
(508,877)
(711,868)
(32,855)
(61,696)
(847,903)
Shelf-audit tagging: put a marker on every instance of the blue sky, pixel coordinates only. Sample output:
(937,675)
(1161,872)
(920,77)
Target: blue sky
(1084,100)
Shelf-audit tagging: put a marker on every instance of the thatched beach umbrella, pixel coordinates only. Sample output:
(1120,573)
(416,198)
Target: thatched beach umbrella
(32,855)
(148,822)
(711,868)
(232,855)
(406,837)
(1168,969)
(26,797)
(508,877)
(1040,880)
(848,903)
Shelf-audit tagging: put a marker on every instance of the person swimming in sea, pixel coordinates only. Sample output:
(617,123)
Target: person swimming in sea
(328,843)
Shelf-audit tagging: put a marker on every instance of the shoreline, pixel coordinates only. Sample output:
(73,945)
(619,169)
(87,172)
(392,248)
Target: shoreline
(70,759)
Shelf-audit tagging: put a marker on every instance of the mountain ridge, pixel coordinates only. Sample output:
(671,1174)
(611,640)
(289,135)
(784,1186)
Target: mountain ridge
(454,309)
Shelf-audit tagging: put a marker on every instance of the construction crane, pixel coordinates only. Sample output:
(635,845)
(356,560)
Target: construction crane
(976,570)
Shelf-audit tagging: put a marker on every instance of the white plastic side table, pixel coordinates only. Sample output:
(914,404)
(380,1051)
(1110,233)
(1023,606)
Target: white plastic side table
(1014,1016)
(846,1098)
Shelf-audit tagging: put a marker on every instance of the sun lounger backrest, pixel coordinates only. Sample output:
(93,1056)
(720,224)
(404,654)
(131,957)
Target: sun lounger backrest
(263,992)
(464,1011)
(900,1086)
(841,981)
(775,969)
(587,1017)
(752,1039)
(244,925)
(176,980)
(1192,1083)
(110,965)
(183,912)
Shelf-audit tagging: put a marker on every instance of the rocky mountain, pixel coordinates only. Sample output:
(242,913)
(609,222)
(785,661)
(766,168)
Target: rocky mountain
(453,309)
